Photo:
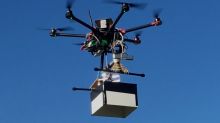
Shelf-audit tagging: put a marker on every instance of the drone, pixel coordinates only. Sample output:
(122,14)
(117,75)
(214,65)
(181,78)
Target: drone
(109,96)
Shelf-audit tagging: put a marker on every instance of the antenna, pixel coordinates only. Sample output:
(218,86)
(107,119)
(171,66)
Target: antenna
(90,18)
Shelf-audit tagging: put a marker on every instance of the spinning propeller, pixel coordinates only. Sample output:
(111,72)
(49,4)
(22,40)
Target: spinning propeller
(137,34)
(133,5)
(58,29)
(137,37)
(54,31)
(69,4)
(156,15)
(69,13)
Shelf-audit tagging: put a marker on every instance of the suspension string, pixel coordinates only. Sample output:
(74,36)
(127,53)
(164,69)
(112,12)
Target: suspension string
(121,43)
(96,38)
(113,44)
(98,75)
(106,60)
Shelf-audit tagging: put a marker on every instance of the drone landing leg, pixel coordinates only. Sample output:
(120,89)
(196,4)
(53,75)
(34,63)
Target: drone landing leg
(102,61)
(129,73)
(81,89)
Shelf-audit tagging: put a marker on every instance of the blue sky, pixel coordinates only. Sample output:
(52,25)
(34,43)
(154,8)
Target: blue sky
(180,58)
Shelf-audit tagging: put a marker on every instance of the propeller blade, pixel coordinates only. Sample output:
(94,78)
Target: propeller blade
(133,5)
(64,29)
(138,5)
(44,29)
(156,13)
(59,29)
(69,4)
(137,34)
(113,2)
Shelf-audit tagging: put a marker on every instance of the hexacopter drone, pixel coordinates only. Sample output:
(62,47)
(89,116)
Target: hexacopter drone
(108,96)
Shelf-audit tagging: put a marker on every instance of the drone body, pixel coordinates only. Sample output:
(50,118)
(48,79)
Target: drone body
(105,36)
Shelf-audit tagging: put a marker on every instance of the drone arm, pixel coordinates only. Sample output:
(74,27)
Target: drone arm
(69,15)
(157,22)
(84,24)
(117,19)
(138,28)
(132,41)
(125,8)
(69,35)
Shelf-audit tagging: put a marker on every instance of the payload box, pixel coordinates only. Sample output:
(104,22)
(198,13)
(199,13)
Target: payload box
(114,99)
